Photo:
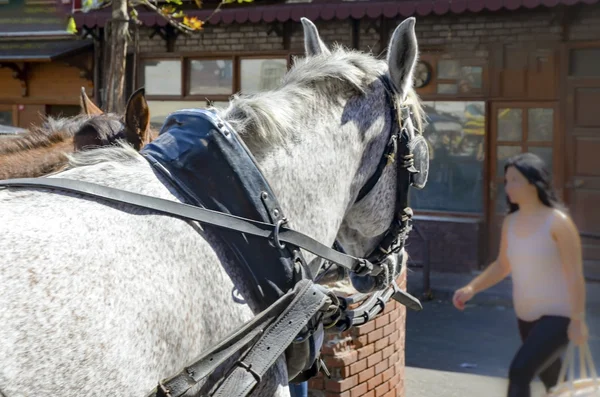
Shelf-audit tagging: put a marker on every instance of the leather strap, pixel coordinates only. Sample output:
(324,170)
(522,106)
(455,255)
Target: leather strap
(189,212)
(192,374)
(249,371)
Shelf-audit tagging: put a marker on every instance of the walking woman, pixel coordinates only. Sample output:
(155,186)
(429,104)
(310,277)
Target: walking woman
(541,248)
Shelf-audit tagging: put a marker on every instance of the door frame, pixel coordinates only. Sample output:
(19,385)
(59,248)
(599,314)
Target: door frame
(492,217)
(568,82)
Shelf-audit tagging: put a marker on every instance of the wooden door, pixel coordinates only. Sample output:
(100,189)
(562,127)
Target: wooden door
(517,127)
(582,188)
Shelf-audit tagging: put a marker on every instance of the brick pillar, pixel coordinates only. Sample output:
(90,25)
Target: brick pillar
(366,361)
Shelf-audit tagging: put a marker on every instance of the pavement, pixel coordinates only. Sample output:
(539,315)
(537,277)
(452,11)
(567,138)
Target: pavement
(450,353)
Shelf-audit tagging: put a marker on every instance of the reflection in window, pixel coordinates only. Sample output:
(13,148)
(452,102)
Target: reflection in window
(510,124)
(545,154)
(503,153)
(6,117)
(210,77)
(501,205)
(540,125)
(261,74)
(456,136)
(446,88)
(448,69)
(162,77)
(471,78)
(159,110)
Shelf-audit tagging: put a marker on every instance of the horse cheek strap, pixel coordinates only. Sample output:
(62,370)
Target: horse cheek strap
(419,148)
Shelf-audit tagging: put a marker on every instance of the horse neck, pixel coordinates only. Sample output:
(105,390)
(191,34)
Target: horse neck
(313,179)
(36,161)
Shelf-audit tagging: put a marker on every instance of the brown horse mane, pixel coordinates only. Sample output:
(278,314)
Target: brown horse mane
(52,131)
(44,148)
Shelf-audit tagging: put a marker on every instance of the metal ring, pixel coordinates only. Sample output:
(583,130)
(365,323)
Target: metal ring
(276,233)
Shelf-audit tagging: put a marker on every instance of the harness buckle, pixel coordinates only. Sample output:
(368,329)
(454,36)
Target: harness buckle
(248,367)
(363,268)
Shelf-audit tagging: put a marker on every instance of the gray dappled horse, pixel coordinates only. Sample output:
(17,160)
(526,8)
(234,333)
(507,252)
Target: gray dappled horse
(104,300)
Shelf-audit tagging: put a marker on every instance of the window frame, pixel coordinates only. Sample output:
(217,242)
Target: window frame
(185,58)
(477,216)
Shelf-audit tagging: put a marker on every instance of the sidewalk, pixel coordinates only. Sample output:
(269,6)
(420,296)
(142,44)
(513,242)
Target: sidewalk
(443,286)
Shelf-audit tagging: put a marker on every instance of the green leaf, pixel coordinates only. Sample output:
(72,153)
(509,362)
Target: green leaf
(71,27)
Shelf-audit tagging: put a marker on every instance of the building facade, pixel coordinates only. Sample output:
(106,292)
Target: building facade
(497,78)
(42,66)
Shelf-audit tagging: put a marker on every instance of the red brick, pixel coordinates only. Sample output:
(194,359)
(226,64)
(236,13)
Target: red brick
(374,382)
(364,329)
(374,358)
(365,351)
(341,385)
(382,343)
(388,329)
(388,373)
(382,389)
(361,341)
(394,358)
(344,394)
(391,393)
(395,379)
(381,366)
(359,391)
(388,351)
(372,394)
(316,383)
(375,335)
(382,320)
(395,336)
(358,366)
(366,375)
(341,360)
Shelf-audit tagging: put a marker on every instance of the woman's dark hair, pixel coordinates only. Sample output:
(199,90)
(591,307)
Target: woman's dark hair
(535,170)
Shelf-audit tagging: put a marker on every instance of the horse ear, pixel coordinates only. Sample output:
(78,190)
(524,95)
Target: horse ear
(137,120)
(402,56)
(313,45)
(87,106)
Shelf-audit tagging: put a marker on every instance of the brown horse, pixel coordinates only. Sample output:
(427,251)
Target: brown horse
(44,148)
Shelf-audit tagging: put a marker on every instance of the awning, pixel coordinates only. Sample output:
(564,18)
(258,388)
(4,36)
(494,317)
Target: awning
(329,10)
(40,50)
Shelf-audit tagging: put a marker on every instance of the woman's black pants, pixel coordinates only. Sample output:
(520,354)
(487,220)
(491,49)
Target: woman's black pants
(544,340)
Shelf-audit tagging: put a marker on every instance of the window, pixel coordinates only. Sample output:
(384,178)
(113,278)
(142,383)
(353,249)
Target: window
(210,77)
(161,77)
(208,82)
(456,137)
(453,76)
(261,74)
(6,117)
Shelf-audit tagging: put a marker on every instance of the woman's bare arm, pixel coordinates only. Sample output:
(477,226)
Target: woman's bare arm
(567,238)
(498,270)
